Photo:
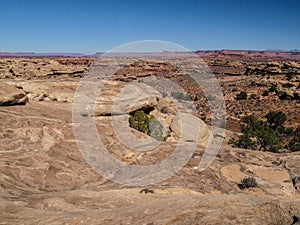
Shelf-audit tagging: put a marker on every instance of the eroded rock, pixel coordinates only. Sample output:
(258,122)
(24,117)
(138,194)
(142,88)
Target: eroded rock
(11,95)
(121,98)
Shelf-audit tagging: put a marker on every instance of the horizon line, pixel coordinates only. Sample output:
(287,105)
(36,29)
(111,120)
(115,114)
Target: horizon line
(141,52)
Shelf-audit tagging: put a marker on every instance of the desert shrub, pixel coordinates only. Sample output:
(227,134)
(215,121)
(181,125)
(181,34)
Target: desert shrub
(244,141)
(266,93)
(12,71)
(196,98)
(250,120)
(148,125)
(139,121)
(241,96)
(288,85)
(275,119)
(296,96)
(267,136)
(273,88)
(248,183)
(285,96)
(290,75)
(266,139)
(289,131)
(257,135)
(294,144)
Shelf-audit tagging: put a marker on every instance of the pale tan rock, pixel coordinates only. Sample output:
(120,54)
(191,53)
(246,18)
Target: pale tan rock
(189,128)
(233,173)
(11,95)
(44,178)
(121,98)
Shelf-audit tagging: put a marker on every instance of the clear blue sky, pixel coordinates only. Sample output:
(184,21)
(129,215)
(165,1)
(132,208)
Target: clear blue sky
(89,26)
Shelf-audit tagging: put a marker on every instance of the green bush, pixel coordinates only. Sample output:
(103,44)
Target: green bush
(241,96)
(244,141)
(139,121)
(267,136)
(148,125)
(288,85)
(248,183)
(257,135)
(285,96)
(275,119)
(294,144)
(273,88)
(266,93)
(296,96)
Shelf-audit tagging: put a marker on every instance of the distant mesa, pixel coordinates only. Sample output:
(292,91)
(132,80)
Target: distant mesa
(38,55)
(268,53)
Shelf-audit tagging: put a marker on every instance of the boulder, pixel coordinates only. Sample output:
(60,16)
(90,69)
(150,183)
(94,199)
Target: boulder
(119,98)
(189,128)
(166,107)
(62,91)
(11,95)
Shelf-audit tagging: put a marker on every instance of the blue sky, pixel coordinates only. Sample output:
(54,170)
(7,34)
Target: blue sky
(89,26)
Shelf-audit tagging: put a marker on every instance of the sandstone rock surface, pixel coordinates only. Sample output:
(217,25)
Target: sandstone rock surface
(11,95)
(44,178)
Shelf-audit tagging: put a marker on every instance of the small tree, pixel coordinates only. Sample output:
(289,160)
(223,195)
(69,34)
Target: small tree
(244,141)
(294,144)
(266,139)
(275,119)
(257,135)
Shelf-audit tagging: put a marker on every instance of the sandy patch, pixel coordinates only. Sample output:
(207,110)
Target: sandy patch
(233,173)
(156,191)
(255,191)
(272,175)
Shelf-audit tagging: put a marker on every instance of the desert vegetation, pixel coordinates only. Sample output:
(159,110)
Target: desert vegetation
(147,124)
(43,172)
(248,182)
(269,135)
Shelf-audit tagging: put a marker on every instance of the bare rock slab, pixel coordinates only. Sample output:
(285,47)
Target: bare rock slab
(11,95)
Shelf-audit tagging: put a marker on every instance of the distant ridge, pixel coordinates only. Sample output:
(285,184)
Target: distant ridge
(38,55)
(269,53)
